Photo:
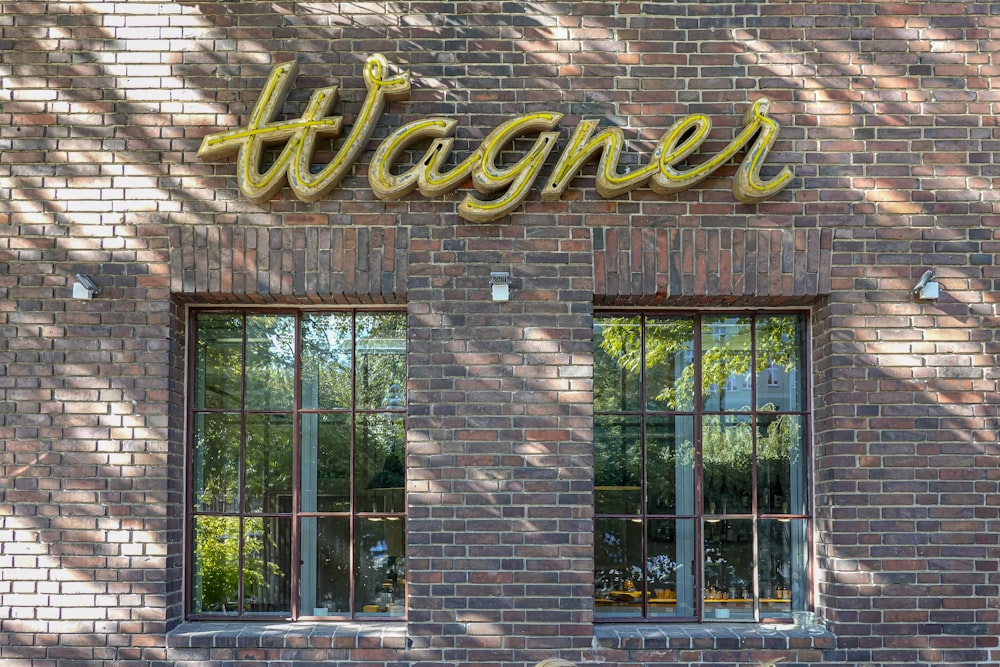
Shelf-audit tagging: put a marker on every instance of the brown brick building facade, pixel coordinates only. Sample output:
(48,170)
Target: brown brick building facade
(887,116)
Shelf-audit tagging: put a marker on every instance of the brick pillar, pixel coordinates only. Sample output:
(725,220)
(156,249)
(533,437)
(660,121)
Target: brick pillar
(500,455)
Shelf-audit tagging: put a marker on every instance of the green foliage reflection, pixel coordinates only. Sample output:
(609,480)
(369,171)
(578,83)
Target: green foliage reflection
(351,380)
(218,565)
(627,349)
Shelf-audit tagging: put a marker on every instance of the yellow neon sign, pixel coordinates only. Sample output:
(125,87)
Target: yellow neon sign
(293,164)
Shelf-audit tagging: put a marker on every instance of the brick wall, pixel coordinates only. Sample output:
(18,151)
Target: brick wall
(500,547)
(888,114)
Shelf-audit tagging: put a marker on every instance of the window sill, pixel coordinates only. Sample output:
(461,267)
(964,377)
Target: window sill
(716,636)
(301,634)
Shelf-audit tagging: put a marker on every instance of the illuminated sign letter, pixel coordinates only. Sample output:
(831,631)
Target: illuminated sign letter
(580,149)
(691,131)
(294,160)
(747,186)
(309,186)
(261,132)
(505,187)
(517,178)
(387,186)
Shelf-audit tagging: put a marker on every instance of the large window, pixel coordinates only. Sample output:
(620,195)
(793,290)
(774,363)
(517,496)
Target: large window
(296,503)
(701,466)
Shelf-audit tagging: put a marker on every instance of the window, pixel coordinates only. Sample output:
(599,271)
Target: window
(701,492)
(772,375)
(296,500)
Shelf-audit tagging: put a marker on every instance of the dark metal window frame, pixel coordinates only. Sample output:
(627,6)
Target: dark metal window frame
(697,412)
(296,514)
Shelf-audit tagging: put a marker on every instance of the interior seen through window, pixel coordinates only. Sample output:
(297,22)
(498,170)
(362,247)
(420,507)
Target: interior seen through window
(702,507)
(296,501)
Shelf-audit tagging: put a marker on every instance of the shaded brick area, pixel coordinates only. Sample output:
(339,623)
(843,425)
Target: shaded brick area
(291,264)
(711,266)
(500,443)
(887,114)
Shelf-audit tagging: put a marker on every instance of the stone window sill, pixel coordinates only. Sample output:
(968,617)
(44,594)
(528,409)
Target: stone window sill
(713,636)
(302,634)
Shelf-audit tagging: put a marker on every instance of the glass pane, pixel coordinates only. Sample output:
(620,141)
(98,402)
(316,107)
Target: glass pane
(380,566)
(725,358)
(270,362)
(617,363)
(379,466)
(216,466)
(267,565)
(218,365)
(327,350)
(215,579)
(617,563)
(729,569)
(780,354)
(781,467)
(669,364)
(381,371)
(727,464)
(617,476)
(267,484)
(783,566)
(326,566)
(326,462)
(670,579)
(670,465)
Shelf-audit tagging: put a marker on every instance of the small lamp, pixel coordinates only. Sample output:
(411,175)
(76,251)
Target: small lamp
(85,287)
(500,285)
(926,289)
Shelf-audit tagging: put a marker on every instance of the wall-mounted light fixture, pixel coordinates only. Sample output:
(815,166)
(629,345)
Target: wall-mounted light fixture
(926,289)
(85,287)
(500,285)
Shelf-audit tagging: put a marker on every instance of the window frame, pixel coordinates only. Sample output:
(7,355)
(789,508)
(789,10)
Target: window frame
(697,411)
(296,514)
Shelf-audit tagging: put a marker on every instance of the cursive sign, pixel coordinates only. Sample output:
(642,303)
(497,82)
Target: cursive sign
(507,185)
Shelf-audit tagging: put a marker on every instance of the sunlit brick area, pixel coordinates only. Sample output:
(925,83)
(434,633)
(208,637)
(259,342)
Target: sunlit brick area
(495,333)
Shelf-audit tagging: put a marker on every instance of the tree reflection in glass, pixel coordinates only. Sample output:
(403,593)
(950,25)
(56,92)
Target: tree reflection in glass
(727,464)
(781,481)
(267,479)
(216,462)
(669,351)
(617,363)
(270,362)
(242,463)
(353,444)
(218,366)
(725,356)
(618,471)
(215,580)
(379,468)
(701,417)
(327,360)
(670,464)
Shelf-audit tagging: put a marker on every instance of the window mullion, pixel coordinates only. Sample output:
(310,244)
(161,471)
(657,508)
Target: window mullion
(352,428)
(296,565)
(643,462)
(241,489)
(754,495)
(699,483)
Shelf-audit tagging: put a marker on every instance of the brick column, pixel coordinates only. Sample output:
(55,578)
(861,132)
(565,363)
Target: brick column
(500,490)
